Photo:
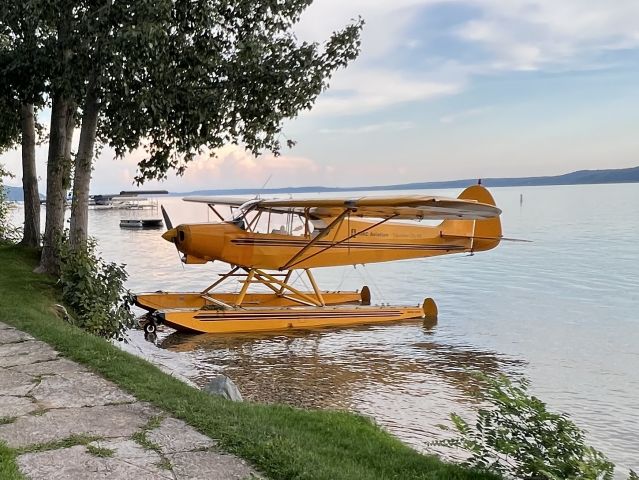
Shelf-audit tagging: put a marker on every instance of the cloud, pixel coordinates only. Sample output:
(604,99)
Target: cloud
(363,90)
(549,34)
(234,167)
(235,163)
(386,22)
(463,115)
(230,167)
(375,127)
(369,84)
(517,35)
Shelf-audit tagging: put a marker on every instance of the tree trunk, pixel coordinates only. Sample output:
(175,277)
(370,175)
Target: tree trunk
(68,141)
(31,235)
(79,228)
(57,173)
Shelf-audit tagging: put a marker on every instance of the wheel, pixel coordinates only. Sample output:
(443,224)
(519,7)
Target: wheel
(149,327)
(150,337)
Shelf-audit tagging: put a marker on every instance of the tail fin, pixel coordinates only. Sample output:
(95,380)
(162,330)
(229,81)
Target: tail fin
(484,234)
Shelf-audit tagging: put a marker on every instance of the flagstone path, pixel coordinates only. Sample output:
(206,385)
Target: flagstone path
(68,423)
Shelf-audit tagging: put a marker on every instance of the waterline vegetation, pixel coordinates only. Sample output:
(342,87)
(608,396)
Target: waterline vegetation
(95,292)
(8,232)
(516,435)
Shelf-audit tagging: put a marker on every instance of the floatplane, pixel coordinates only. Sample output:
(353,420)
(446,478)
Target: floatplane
(330,232)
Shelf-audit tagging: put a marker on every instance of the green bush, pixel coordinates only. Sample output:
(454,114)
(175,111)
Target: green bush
(515,435)
(94,290)
(8,232)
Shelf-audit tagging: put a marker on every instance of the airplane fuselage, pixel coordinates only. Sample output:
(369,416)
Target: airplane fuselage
(351,242)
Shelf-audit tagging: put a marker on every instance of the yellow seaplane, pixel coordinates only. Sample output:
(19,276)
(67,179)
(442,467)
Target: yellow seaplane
(330,232)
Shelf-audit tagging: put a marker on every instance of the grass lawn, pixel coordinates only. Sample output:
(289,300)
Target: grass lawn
(281,441)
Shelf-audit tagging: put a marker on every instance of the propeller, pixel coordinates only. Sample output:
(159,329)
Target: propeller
(167,220)
(171,233)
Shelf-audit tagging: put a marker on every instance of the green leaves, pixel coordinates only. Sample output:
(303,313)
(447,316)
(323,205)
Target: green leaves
(515,435)
(214,73)
(94,289)
(8,233)
(174,77)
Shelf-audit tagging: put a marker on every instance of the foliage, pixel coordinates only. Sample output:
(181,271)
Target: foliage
(9,122)
(67,442)
(9,106)
(172,77)
(225,72)
(517,436)
(8,233)
(94,290)
(100,452)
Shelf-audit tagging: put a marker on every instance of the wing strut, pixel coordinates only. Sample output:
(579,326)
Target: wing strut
(316,289)
(321,235)
(268,280)
(216,212)
(223,276)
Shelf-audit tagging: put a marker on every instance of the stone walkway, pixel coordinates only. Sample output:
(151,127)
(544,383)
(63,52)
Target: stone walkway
(68,423)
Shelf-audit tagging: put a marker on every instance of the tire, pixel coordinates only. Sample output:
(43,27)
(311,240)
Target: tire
(150,327)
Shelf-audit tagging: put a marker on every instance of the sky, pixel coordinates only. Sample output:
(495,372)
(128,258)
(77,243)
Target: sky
(442,90)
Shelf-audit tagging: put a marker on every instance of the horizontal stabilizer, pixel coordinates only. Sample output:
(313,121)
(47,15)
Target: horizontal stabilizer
(476,237)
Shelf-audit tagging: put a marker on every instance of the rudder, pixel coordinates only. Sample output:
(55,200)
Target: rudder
(485,234)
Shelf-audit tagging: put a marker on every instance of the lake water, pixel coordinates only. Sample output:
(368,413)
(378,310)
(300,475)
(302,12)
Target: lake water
(562,311)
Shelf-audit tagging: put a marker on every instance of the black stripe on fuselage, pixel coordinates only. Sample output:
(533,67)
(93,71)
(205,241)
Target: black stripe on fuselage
(364,245)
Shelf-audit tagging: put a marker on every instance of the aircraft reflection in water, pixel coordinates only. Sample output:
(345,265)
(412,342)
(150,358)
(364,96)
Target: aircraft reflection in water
(332,368)
(332,232)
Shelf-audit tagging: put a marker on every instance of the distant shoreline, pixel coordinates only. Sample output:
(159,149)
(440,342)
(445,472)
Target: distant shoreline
(580,177)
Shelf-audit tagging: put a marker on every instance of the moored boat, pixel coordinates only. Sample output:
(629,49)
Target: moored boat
(141,223)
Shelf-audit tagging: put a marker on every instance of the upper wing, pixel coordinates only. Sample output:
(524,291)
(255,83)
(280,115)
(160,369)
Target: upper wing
(413,207)
(407,207)
(247,204)
(227,201)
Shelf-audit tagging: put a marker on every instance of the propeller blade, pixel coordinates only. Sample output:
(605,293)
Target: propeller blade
(167,220)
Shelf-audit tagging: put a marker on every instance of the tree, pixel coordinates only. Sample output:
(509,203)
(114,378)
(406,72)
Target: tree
(22,67)
(31,234)
(9,123)
(18,126)
(63,85)
(9,109)
(174,77)
(235,72)
(194,75)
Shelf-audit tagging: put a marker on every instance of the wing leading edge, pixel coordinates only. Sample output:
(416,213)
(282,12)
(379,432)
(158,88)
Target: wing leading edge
(406,207)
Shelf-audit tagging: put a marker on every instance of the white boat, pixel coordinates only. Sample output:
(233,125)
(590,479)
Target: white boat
(141,223)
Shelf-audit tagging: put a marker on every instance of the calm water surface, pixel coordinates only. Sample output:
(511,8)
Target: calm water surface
(562,311)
